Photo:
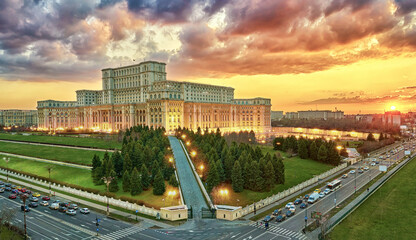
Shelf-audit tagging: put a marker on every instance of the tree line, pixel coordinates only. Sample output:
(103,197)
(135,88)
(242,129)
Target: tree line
(141,163)
(241,164)
(316,149)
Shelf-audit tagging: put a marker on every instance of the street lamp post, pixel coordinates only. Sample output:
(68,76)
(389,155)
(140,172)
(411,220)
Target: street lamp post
(24,197)
(201,167)
(107,181)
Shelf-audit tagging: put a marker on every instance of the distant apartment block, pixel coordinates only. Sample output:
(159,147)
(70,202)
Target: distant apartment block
(276,115)
(315,114)
(21,118)
(292,115)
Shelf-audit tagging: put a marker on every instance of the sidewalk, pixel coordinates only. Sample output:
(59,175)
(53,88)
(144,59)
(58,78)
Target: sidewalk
(293,195)
(90,204)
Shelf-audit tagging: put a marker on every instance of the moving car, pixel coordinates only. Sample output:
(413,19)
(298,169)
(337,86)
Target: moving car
(373,164)
(306,196)
(71,212)
(366,168)
(84,210)
(44,203)
(317,190)
(62,209)
(12,196)
(1,190)
(345,176)
(64,204)
(321,195)
(24,208)
(36,195)
(277,212)
(54,206)
(73,206)
(352,172)
(57,201)
(303,205)
(33,204)
(289,213)
(8,189)
(293,209)
(268,218)
(46,198)
(327,191)
(289,204)
(33,199)
(313,198)
(360,170)
(280,218)
(298,201)
(8,184)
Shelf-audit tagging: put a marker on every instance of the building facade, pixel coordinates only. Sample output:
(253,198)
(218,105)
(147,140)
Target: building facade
(140,95)
(21,118)
(276,115)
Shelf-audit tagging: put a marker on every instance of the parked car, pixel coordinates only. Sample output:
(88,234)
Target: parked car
(277,212)
(327,191)
(317,190)
(73,206)
(345,176)
(289,204)
(84,210)
(24,208)
(71,212)
(46,198)
(303,205)
(352,172)
(321,195)
(54,206)
(44,203)
(298,201)
(280,218)
(289,213)
(36,195)
(33,204)
(62,209)
(12,196)
(268,218)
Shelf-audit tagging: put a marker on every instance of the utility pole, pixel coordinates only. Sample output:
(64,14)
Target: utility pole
(107,181)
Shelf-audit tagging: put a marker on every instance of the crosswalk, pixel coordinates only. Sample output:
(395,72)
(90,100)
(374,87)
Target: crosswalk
(122,233)
(281,231)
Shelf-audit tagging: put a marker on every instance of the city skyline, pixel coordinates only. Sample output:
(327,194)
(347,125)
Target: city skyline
(352,55)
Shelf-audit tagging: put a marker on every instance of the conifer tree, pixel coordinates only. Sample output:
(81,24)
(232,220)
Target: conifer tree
(172,181)
(127,166)
(145,178)
(258,178)
(280,171)
(269,177)
(313,151)
(126,182)
(117,163)
(136,183)
(220,170)
(155,169)
(228,165)
(113,186)
(323,154)
(302,149)
(213,178)
(159,184)
(96,162)
(237,180)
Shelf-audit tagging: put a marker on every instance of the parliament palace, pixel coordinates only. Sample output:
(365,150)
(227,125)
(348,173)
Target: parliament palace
(140,95)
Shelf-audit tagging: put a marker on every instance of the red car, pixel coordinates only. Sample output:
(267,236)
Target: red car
(12,196)
(46,198)
(23,190)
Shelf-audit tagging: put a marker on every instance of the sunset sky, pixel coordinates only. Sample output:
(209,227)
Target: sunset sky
(353,55)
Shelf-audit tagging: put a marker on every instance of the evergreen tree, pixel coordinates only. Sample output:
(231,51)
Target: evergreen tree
(126,182)
(381,137)
(96,162)
(97,175)
(269,177)
(313,151)
(247,175)
(228,165)
(145,178)
(237,180)
(172,181)
(220,170)
(258,178)
(127,166)
(280,171)
(136,183)
(302,149)
(213,178)
(117,163)
(275,164)
(155,169)
(159,184)
(323,154)
(370,137)
(262,167)
(333,156)
(113,186)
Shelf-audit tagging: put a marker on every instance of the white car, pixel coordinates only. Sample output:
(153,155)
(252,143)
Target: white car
(352,171)
(290,204)
(373,164)
(293,209)
(84,210)
(44,203)
(71,212)
(327,191)
(366,168)
(321,195)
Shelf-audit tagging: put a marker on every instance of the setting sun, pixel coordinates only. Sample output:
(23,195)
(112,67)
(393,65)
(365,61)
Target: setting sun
(393,108)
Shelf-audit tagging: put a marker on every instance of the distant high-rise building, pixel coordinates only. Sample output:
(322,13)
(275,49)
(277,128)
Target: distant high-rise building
(140,95)
(21,118)
(321,114)
(392,118)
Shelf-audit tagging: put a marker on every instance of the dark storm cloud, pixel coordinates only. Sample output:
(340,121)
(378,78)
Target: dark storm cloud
(406,6)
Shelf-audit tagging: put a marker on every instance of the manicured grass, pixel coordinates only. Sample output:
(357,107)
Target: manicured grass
(53,153)
(110,143)
(6,233)
(297,170)
(82,177)
(388,214)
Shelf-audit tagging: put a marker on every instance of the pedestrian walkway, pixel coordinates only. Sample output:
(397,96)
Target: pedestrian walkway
(191,192)
(281,231)
(57,145)
(121,234)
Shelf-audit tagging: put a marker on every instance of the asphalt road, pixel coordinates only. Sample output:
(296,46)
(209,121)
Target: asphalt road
(191,192)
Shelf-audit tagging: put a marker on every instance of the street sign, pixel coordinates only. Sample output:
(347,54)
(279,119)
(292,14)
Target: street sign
(137,211)
(306,218)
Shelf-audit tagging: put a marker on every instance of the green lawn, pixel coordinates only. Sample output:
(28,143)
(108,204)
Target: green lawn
(53,153)
(8,234)
(297,170)
(82,177)
(388,214)
(110,143)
